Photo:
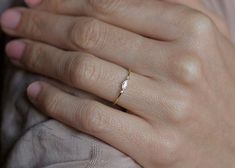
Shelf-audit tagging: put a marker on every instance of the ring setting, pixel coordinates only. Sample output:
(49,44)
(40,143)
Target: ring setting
(124,86)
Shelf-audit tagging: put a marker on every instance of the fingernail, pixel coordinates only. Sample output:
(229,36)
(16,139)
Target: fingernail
(33,90)
(10,19)
(15,50)
(32,3)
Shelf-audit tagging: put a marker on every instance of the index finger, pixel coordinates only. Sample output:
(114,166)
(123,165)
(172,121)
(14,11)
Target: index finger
(155,19)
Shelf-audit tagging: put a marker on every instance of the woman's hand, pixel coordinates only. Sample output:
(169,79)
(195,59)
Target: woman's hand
(181,93)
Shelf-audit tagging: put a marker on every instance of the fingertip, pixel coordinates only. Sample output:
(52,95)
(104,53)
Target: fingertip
(34,90)
(15,50)
(10,19)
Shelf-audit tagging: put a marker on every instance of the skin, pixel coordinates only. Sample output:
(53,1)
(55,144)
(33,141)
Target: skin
(181,93)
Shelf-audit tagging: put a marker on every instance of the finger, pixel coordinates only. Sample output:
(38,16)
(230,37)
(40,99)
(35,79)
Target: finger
(77,92)
(94,75)
(122,12)
(143,17)
(112,126)
(103,40)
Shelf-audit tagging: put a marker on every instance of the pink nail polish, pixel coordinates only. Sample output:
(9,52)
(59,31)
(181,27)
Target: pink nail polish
(32,3)
(15,50)
(10,19)
(34,89)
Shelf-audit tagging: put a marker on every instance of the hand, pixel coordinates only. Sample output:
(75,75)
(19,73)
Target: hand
(180,97)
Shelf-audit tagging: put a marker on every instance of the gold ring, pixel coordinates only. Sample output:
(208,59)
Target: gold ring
(124,86)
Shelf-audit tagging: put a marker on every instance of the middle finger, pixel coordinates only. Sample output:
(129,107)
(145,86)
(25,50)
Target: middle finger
(108,42)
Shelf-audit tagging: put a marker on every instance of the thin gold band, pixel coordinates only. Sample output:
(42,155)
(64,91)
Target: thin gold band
(124,86)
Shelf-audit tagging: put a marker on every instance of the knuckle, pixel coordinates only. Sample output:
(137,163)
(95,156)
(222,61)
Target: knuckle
(51,103)
(83,71)
(92,119)
(180,111)
(69,69)
(105,6)
(90,34)
(167,149)
(168,152)
(33,53)
(36,25)
(187,69)
(199,24)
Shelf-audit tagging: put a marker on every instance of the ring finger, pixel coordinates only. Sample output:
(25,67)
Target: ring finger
(92,74)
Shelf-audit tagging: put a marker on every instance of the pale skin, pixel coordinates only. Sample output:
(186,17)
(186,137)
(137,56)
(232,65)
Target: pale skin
(181,94)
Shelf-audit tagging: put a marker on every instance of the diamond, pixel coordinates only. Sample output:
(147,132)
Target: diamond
(124,85)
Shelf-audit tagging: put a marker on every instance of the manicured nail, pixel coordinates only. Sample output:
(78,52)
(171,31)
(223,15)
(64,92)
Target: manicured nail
(10,19)
(34,89)
(32,3)
(15,50)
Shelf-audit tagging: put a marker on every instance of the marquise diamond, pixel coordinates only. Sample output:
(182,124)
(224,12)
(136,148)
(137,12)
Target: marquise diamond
(124,85)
